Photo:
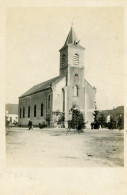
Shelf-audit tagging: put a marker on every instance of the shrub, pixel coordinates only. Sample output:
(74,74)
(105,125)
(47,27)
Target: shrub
(112,123)
(77,121)
(102,120)
(120,124)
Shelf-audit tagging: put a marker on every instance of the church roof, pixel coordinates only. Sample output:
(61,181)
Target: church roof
(72,40)
(86,83)
(42,86)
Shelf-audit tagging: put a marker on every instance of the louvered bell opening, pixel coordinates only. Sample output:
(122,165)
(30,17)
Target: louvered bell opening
(76,59)
(63,60)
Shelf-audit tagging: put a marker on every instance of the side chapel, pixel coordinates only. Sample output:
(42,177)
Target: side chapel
(61,92)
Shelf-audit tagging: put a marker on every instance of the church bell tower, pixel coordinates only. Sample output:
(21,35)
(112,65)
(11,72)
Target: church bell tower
(72,57)
(72,66)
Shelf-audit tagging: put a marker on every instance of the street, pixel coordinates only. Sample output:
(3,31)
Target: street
(53,148)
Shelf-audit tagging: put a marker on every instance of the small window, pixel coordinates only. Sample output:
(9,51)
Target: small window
(34,110)
(23,112)
(76,59)
(48,101)
(63,60)
(41,109)
(76,79)
(20,112)
(75,90)
(28,111)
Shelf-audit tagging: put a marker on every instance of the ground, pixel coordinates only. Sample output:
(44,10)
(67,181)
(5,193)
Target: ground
(54,148)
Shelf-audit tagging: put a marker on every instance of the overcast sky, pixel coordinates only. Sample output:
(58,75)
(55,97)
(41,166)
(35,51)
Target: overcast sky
(35,35)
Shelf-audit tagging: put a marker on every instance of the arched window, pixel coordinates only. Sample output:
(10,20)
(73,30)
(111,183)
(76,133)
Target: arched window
(34,110)
(23,112)
(48,101)
(63,59)
(41,109)
(76,59)
(75,90)
(28,111)
(20,112)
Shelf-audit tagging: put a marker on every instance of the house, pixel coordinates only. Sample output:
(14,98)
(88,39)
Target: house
(11,112)
(116,113)
(42,101)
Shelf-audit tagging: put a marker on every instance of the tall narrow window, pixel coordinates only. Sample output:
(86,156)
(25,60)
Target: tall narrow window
(76,59)
(48,101)
(41,109)
(20,112)
(34,110)
(66,80)
(63,100)
(75,90)
(28,111)
(23,112)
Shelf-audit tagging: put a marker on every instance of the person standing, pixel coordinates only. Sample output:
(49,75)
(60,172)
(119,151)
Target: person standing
(30,125)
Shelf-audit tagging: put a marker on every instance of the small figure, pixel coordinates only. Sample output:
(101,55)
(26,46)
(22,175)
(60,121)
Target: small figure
(30,125)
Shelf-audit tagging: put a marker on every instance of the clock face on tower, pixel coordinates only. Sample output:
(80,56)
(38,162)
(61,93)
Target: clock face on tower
(63,60)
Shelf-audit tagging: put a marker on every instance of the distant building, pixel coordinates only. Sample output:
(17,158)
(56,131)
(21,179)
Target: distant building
(11,112)
(116,113)
(60,93)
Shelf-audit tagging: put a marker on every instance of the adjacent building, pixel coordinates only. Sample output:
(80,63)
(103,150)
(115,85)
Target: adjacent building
(116,113)
(11,113)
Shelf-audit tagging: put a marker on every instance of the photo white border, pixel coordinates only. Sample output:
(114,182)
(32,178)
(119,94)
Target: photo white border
(64,181)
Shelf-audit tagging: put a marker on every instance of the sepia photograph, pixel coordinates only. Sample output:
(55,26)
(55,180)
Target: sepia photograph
(64,104)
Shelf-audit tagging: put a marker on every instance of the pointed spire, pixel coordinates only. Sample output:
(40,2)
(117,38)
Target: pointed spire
(71,38)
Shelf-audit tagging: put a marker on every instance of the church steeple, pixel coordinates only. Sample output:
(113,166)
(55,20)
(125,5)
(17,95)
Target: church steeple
(71,54)
(71,38)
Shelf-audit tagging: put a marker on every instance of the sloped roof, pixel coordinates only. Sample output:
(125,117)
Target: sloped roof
(117,110)
(72,40)
(11,108)
(42,86)
(86,83)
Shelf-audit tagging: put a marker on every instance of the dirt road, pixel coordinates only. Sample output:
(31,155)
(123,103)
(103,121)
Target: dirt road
(53,148)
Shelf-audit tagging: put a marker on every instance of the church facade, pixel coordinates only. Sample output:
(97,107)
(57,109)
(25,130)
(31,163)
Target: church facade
(61,92)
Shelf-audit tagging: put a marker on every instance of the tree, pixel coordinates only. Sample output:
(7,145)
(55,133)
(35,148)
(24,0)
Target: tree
(102,120)
(59,118)
(96,123)
(120,124)
(112,123)
(77,121)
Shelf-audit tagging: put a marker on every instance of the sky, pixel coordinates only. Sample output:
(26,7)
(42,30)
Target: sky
(34,36)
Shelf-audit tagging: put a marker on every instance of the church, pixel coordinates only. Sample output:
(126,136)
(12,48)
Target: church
(70,88)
